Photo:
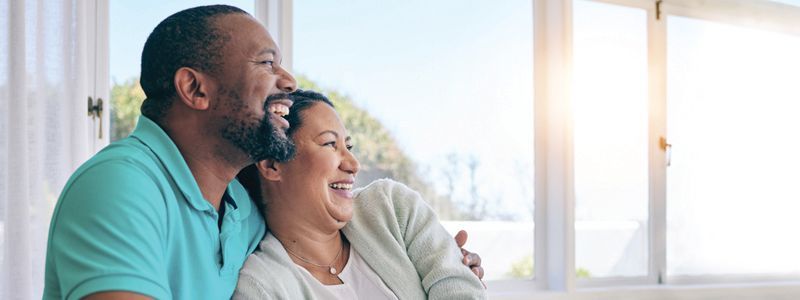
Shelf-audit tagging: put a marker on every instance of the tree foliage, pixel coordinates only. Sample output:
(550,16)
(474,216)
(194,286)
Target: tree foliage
(126,99)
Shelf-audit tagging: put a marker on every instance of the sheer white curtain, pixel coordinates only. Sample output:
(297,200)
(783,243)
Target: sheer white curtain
(43,128)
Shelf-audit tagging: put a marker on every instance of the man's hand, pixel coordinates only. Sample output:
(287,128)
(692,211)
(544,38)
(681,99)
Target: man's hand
(471,260)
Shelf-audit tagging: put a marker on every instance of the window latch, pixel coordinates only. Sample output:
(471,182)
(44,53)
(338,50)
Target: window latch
(658,10)
(666,147)
(96,112)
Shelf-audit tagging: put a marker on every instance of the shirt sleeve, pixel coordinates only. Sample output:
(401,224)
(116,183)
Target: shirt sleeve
(109,233)
(432,250)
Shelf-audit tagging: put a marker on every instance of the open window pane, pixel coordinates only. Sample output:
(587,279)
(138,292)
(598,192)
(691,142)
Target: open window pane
(439,95)
(610,107)
(732,187)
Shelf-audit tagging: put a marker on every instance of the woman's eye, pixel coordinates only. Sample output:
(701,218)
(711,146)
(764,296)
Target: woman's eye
(332,144)
(349,147)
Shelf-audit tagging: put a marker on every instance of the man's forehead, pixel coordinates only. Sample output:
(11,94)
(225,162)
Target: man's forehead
(248,33)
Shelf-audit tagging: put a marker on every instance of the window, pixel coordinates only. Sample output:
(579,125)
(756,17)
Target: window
(732,118)
(440,98)
(610,115)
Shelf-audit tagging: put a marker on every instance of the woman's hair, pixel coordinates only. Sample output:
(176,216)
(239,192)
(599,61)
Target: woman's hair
(249,177)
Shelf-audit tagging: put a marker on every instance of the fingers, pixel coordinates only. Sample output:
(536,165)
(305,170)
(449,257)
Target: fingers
(472,260)
(478,271)
(461,238)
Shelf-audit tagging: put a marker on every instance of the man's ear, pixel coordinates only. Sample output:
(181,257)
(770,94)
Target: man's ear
(192,88)
(269,170)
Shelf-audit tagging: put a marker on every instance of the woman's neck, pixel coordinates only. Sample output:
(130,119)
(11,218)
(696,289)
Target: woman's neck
(310,247)
(309,243)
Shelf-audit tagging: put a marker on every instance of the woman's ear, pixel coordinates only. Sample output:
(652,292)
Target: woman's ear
(268,169)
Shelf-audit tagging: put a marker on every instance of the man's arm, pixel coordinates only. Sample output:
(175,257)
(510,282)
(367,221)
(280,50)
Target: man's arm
(471,260)
(116,296)
(108,234)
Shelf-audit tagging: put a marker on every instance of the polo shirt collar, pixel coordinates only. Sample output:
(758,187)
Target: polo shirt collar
(155,138)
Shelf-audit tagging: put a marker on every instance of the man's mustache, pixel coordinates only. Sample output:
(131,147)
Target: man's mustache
(278,96)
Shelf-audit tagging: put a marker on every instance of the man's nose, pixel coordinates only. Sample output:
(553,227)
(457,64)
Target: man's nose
(286,82)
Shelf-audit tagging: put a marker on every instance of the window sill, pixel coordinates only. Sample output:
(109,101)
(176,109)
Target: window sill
(729,291)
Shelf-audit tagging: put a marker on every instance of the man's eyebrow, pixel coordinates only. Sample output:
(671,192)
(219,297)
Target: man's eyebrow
(267,51)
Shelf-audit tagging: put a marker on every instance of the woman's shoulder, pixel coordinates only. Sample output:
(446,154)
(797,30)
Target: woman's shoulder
(267,271)
(385,200)
(385,188)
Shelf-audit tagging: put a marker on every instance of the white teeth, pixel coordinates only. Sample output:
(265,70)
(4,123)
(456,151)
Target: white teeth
(279,109)
(341,186)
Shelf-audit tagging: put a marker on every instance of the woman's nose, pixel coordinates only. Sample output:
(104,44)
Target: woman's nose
(350,164)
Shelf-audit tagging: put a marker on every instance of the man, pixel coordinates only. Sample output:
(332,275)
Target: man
(158,214)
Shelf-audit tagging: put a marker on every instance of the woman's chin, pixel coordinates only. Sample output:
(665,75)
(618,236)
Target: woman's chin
(341,214)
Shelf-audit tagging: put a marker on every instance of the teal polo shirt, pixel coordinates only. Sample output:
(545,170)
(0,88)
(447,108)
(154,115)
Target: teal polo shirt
(132,218)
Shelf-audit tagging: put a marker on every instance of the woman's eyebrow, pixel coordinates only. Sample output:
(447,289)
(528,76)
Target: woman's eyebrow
(336,134)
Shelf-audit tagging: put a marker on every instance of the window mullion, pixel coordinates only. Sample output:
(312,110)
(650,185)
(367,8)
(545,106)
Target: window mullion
(276,15)
(657,56)
(101,82)
(555,201)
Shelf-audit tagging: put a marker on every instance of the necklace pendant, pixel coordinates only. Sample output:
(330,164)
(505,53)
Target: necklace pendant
(332,270)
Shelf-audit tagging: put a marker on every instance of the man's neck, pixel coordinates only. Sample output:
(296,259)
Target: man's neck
(212,163)
(211,175)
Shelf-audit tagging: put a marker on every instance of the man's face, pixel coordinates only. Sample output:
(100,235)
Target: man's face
(251,96)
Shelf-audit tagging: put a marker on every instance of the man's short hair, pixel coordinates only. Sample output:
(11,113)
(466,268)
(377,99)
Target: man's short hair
(187,38)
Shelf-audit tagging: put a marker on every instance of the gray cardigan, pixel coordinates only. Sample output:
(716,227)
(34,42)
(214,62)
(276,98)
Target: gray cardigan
(399,237)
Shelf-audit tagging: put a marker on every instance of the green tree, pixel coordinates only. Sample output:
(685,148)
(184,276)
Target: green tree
(522,268)
(126,99)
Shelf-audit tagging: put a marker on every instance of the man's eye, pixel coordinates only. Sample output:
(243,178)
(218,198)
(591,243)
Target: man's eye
(268,62)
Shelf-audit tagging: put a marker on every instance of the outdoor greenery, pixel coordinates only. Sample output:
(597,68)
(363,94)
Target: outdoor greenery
(126,98)
(523,269)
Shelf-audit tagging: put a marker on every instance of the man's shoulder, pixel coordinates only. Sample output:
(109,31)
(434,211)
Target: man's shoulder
(128,152)
(122,167)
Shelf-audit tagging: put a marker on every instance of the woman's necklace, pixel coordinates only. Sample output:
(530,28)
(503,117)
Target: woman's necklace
(329,266)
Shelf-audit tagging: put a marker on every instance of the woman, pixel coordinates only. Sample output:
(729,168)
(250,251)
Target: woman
(327,241)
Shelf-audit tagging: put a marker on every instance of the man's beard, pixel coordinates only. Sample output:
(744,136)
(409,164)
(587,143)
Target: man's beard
(261,140)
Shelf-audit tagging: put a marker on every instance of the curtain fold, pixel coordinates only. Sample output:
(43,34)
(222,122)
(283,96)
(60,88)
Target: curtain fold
(43,128)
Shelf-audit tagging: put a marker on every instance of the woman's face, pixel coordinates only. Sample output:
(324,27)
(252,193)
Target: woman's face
(317,184)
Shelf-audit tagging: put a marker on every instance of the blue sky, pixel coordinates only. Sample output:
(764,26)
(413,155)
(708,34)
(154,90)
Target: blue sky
(445,76)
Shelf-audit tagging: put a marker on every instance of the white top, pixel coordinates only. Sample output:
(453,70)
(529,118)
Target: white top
(359,281)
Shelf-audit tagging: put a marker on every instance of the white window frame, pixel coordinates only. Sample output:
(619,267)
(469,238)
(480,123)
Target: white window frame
(100,129)
(555,203)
